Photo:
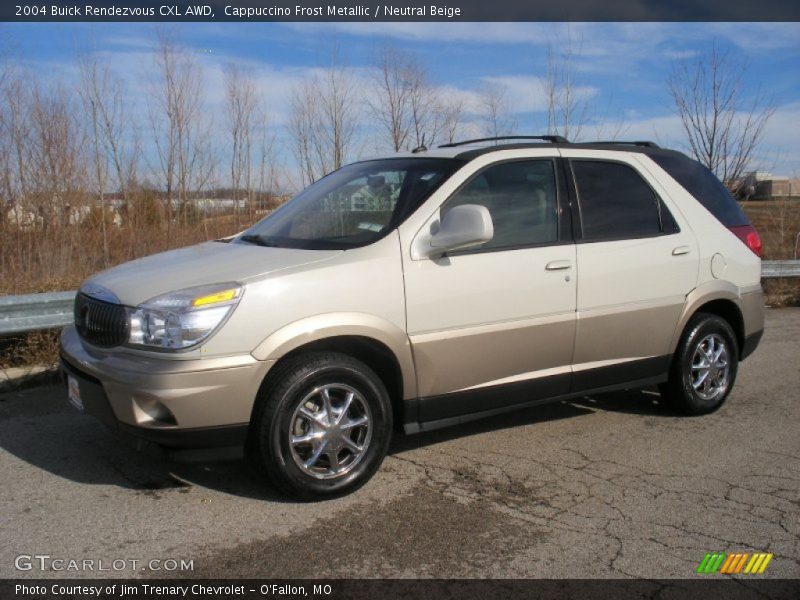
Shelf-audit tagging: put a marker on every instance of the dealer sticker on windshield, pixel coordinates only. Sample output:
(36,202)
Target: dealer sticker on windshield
(74,393)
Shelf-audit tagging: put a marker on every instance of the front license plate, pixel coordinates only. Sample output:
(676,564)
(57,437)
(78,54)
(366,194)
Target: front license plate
(74,393)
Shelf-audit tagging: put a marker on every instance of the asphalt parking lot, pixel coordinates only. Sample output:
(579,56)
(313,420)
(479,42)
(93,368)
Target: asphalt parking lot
(612,486)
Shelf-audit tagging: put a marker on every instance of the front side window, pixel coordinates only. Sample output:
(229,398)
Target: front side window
(354,206)
(521,197)
(616,203)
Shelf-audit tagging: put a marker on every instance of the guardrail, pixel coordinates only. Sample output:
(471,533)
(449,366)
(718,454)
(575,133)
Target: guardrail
(780,268)
(35,312)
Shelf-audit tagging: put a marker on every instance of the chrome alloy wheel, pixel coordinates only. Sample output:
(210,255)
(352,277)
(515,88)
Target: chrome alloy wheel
(330,431)
(710,367)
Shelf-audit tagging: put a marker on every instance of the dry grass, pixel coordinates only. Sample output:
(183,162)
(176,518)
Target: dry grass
(778,224)
(35,348)
(60,258)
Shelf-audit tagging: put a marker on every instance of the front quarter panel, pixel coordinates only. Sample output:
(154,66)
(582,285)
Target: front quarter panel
(359,292)
(329,325)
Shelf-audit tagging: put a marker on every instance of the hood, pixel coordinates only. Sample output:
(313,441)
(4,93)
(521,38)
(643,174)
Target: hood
(139,280)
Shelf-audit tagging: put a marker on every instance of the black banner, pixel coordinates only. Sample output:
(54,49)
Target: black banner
(702,588)
(406,10)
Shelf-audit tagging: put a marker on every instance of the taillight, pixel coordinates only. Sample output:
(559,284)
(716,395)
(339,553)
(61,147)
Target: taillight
(750,237)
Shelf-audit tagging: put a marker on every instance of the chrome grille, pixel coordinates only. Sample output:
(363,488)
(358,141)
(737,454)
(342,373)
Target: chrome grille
(100,323)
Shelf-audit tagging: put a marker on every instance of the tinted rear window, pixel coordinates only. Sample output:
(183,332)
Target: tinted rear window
(615,202)
(701,183)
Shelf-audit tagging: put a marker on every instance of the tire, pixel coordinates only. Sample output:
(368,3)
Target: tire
(300,430)
(688,390)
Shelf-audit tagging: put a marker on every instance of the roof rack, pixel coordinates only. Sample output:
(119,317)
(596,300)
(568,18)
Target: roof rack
(554,139)
(643,144)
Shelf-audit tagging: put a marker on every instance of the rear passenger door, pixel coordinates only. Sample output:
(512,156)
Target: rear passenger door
(637,261)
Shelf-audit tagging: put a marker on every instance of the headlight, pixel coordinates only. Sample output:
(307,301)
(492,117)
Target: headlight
(183,318)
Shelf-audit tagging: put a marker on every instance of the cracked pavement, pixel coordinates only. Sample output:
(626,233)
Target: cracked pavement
(609,486)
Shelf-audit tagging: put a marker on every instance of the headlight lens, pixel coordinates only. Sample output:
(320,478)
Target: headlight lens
(183,318)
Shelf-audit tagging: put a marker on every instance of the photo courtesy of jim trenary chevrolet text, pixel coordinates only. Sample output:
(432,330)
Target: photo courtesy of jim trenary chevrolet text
(347,300)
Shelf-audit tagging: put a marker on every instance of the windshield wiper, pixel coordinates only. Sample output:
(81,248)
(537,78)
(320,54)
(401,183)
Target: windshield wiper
(258,241)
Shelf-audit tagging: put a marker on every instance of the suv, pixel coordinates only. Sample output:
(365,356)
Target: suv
(423,290)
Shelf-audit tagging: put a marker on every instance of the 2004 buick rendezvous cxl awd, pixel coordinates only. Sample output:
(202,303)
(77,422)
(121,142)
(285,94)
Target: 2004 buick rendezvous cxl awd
(422,290)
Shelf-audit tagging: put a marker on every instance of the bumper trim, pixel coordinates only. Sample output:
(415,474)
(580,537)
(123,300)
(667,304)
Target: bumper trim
(224,436)
(751,343)
(96,404)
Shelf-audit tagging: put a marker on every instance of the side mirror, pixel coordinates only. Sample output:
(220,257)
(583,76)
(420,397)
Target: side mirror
(462,227)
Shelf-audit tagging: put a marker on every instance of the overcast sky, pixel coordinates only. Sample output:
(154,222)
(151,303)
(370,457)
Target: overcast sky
(621,67)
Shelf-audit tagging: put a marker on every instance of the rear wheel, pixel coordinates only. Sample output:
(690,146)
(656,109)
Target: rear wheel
(322,425)
(704,367)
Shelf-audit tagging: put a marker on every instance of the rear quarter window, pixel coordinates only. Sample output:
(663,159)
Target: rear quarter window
(701,183)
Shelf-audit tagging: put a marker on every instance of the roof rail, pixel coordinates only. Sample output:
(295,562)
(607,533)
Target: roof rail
(554,139)
(643,144)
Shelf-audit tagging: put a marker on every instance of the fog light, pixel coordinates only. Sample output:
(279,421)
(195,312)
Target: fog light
(152,412)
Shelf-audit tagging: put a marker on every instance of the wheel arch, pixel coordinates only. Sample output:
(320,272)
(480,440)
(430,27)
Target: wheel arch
(722,300)
(382,346)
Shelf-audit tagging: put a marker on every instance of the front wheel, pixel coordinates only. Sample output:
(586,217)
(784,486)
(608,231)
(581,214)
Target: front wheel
(322,425)
(704,367)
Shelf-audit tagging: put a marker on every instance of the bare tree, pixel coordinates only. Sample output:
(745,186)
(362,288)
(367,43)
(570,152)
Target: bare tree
(338,110)
(425,122)
(242,105)
(115,147)
(410,111)
(324,116)
(302,124)
(17,163)
(180,126)
(45,171)
(55,154)
(104,97)
(267,168)
(5,146)
(723,127)
(495,111)
(396,75)
(567,105)
(448,119)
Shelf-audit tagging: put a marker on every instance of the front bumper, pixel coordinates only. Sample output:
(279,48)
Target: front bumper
(181,403)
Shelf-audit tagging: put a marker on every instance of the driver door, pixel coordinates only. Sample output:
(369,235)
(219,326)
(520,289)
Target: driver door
(494,325)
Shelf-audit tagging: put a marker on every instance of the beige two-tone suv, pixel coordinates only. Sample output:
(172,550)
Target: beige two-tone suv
(422,290)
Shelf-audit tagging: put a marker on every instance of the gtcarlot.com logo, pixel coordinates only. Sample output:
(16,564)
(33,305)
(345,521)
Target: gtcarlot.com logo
(45,562)
(734,563)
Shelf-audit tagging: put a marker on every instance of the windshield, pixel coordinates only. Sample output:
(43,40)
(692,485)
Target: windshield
(354,206)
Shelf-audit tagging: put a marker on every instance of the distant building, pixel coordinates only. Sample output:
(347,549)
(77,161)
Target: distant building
(23,219)
(759,185)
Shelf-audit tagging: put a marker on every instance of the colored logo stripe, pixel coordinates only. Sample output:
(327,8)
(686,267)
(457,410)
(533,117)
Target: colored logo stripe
(758,563)
(733,564)
(711,562)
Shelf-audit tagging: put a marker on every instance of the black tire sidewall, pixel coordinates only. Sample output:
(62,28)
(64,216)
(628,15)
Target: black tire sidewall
(700,327)
(288,396)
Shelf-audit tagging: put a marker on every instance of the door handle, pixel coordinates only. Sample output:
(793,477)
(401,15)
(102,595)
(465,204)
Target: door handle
(558,265)
(680,250)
